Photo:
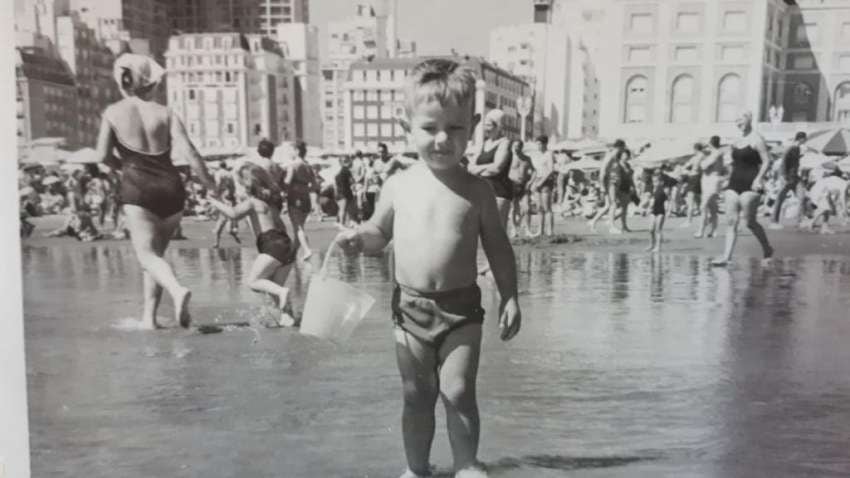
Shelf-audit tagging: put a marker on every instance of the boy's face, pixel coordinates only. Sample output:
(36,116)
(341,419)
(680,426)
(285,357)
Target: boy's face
(440,132)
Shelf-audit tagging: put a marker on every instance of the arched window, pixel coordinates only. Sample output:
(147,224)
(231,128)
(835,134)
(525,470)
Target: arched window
(728,98)
(842,103)
(636,99)
(682,100)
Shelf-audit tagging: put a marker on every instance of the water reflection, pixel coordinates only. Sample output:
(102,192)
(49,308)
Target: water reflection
(669,366)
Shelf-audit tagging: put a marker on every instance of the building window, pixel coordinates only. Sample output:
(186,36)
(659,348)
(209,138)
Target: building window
(728,98)
(804,61)
(371,112)
(386,111)
(372,130)
(640,23)
(329,104)
(807,33)
(734,21)
(687,22)
(359,130)
(387,130)
(357,95)
(371,95)
(842,103)
(640,54)
(685,54)
(359,112)
(191,94)
(682,100)
(636,99)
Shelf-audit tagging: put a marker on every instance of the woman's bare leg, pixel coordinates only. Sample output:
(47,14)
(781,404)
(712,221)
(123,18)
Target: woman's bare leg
(750,204)
(150,235)
(733,218)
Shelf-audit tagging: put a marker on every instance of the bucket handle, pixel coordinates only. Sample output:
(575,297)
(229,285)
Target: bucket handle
(324,271)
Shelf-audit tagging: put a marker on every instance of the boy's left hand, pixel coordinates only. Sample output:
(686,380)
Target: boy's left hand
(509,322)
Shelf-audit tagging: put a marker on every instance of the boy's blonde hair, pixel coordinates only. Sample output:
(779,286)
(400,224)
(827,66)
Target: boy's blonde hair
(443,80)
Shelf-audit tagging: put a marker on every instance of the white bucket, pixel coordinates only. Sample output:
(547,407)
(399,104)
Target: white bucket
(333,308)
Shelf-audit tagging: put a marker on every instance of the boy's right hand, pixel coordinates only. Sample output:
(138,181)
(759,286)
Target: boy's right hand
(349,240)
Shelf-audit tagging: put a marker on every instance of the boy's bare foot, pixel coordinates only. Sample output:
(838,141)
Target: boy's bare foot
(181,308)
(286,320)
(476,471)
(712,234)
(410,474)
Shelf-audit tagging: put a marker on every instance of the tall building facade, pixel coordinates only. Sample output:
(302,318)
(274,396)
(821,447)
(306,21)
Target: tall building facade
(231,90)
(244,16)
(137,25)
(300,43)
(374,98)
(45,96)
(369,33)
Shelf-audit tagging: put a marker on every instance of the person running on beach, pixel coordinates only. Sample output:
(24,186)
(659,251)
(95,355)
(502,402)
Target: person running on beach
(693,178)
(711,167)
(789,168)
(300,181)
(750,161)
(434,213)
(520,175)
(829,196)
(227,192)
(276,251)
(659,201)
(146,135)
(616,178)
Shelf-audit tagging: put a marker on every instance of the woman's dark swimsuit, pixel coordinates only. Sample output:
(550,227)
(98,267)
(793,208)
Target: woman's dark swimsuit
(746,163)
(150,181)
(500,182)
(658,199)
(276,243)
(297,200)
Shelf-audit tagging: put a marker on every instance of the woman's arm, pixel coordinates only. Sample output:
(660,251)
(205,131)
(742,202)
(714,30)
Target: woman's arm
(500,161)
(233,212)
(178,132)
(761,147)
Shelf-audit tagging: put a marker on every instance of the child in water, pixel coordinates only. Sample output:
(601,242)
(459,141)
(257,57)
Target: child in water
(276,250)
(659,211)
(434,213)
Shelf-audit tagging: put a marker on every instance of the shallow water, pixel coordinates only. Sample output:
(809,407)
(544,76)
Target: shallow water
(625,366)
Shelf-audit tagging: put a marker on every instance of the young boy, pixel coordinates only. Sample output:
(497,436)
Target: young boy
(659,201)
(435,212)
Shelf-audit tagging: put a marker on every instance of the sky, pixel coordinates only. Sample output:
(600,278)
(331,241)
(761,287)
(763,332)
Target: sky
(436,26)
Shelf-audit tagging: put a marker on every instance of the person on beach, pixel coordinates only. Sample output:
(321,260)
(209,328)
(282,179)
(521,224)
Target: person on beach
(276,255)
(387,165)
(371,187)
(711,169)
(520,174)
(789,168)
(97,194)
(693,178)
(616,179)
(829,197)
(434,213)
(659,201)
(749,162)
(300,181)
(227,193)
(344,192)
(146,134)
(543,185)
(493,161)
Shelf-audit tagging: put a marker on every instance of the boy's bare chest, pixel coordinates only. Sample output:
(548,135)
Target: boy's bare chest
(436,211)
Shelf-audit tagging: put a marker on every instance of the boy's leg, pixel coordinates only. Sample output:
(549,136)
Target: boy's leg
(417,363)
(459,356)
(652,234)
(659,234)
(260,278)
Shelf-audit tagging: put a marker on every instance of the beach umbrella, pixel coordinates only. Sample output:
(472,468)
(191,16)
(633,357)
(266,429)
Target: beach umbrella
(584,164)
(579,144)
(664,152)
(832,142)
(813,160)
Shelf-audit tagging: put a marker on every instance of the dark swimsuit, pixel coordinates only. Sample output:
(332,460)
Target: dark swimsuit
(431,316)
(746,163)
(150,181)
(275,242)
(658,199)
(299,200)
(500,182)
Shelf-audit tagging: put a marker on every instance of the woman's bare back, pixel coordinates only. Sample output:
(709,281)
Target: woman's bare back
(140,125)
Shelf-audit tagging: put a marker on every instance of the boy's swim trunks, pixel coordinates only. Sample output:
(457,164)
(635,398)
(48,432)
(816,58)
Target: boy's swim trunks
(431,316)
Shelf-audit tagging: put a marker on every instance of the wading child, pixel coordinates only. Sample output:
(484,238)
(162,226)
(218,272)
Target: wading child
(659,202)
(435,212)
(277,252)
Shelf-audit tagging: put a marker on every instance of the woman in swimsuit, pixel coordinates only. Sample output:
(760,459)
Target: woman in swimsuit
(750,162)
(300,182)
(493,162)
(144,134)
(543,185)
(276,250)
(711,167)
(520,175)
